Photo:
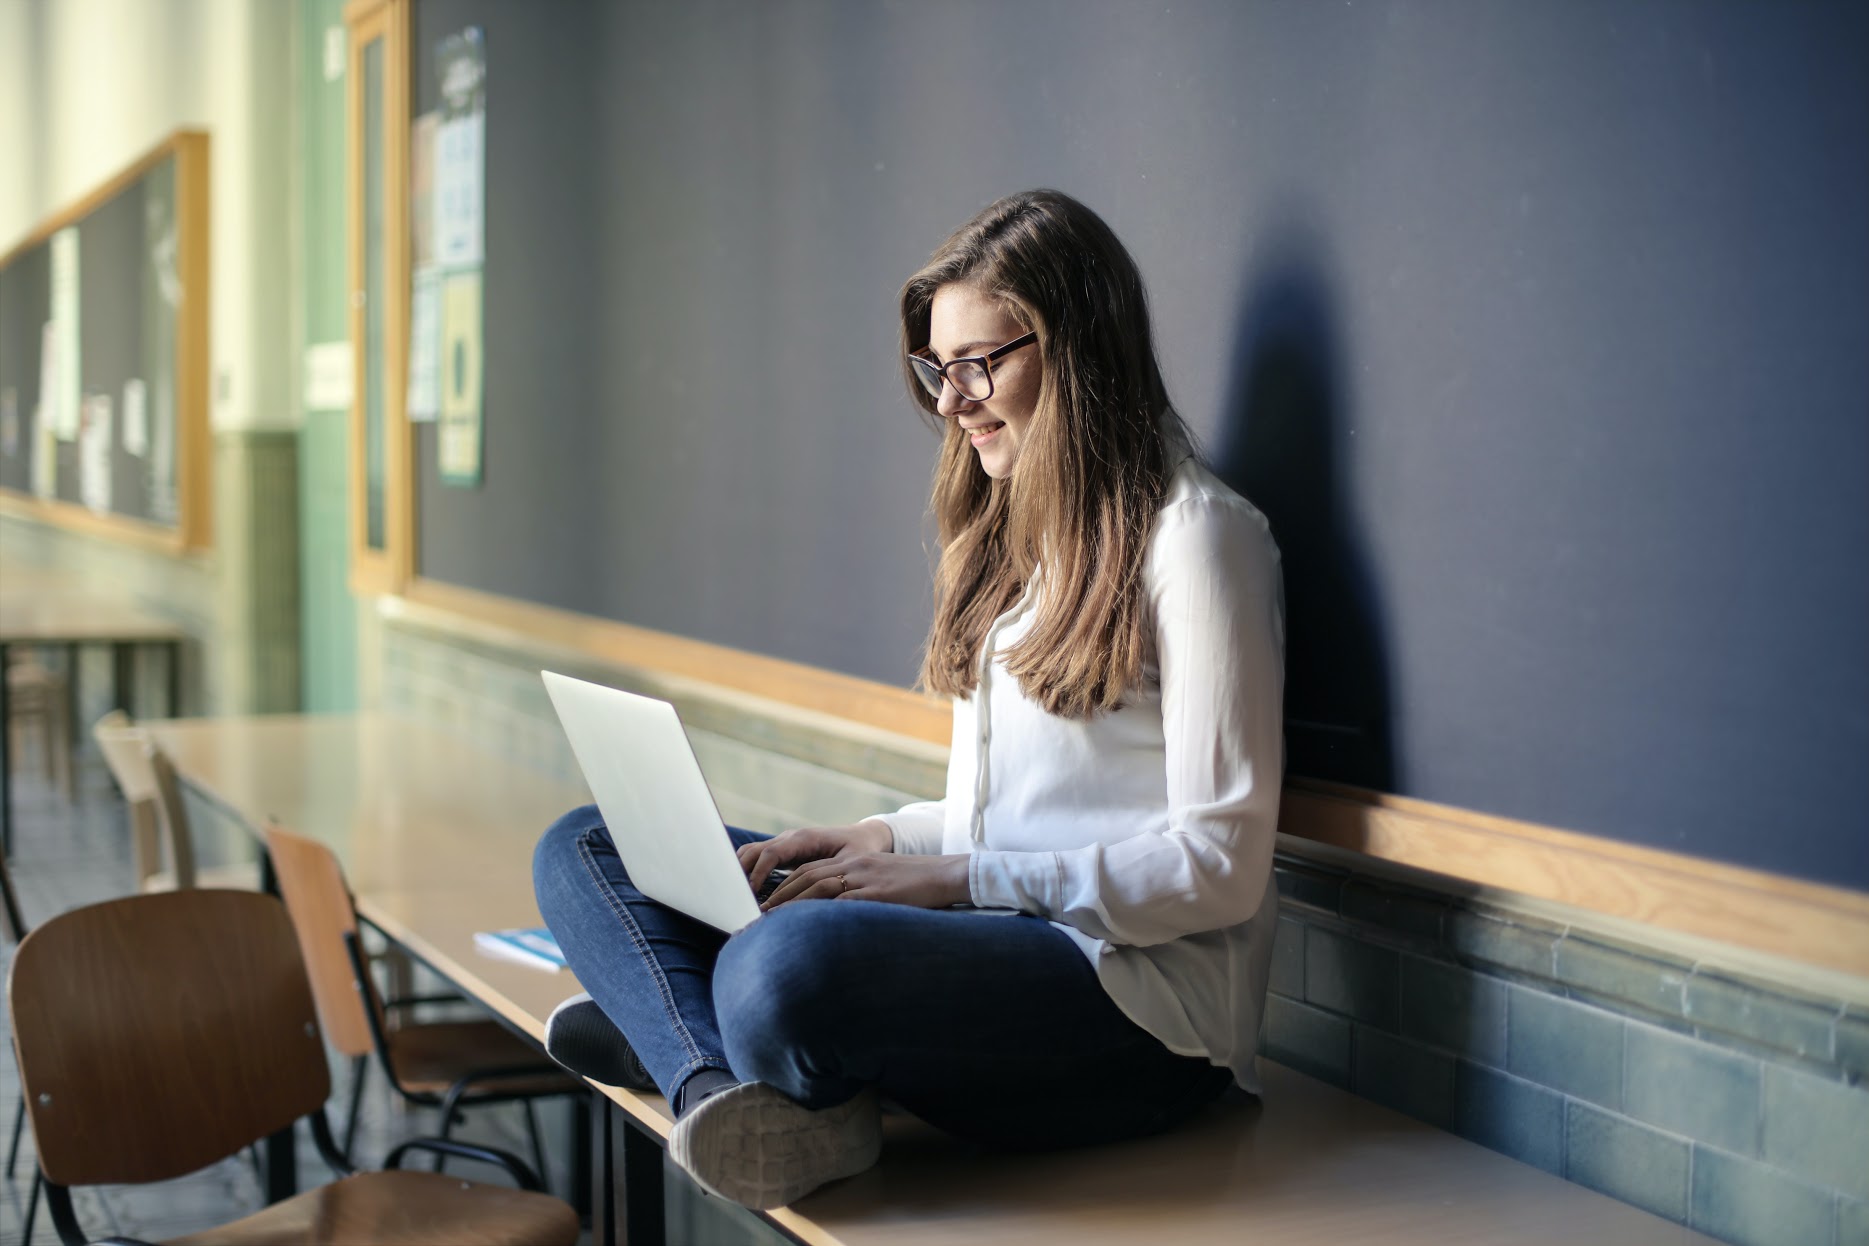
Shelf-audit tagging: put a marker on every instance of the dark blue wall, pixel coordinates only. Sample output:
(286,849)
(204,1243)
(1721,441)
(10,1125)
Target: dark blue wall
(1541,330)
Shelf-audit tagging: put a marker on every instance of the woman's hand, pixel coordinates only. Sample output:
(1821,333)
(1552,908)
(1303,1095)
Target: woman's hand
(921,882)
(811,843)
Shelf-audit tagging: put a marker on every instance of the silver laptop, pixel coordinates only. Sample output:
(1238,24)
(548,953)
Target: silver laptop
(649,788)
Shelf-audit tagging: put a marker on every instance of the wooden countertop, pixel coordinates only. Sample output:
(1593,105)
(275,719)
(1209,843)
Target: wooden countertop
(437,835)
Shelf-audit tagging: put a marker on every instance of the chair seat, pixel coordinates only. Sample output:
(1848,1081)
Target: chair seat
(241,876)
(401,1206)
(432,1056)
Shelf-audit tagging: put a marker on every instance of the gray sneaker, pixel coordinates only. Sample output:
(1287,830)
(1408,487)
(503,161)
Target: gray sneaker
(579,1036)
(752,1145)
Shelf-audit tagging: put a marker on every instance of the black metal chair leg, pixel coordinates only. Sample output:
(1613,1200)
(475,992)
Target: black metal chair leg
(32,1206)
(359,1067)
(538,1148)
(19,1125)
(450,1105)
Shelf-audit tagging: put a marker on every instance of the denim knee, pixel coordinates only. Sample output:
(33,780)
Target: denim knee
(555,858)
(780,987)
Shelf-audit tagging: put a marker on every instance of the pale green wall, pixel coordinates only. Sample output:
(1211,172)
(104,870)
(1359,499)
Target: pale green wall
(328,612)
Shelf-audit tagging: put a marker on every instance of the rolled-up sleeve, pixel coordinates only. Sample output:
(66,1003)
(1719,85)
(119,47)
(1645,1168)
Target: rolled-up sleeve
(916,828)
(1216,591)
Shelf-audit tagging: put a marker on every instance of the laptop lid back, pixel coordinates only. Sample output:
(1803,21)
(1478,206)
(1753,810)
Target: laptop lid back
(648,786)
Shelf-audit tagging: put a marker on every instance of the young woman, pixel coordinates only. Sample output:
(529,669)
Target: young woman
(1109,623)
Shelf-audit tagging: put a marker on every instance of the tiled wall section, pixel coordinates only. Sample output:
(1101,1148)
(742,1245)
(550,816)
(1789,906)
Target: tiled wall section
(1708,1097)
(1713,1099)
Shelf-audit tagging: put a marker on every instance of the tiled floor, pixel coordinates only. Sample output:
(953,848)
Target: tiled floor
(66,855)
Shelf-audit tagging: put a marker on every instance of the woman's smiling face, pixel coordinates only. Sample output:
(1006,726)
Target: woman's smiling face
(964,320)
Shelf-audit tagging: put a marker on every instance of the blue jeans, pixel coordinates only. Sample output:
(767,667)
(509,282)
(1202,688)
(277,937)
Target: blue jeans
(992,1028)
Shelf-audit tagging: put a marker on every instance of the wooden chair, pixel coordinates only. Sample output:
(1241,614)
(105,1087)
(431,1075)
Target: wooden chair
(444,1064)
(13,926)
(158,816)
(160,1033)
(36,700)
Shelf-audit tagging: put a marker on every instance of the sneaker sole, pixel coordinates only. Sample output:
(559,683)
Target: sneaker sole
(753,1146)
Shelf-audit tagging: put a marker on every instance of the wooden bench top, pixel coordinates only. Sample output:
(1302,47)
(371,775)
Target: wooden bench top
(61,619)
(442,831)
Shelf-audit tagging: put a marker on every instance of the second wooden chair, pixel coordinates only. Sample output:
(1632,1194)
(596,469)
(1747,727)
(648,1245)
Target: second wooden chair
(158,818)
(443,1064)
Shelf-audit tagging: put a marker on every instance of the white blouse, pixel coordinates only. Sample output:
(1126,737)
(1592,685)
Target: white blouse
(1145,834)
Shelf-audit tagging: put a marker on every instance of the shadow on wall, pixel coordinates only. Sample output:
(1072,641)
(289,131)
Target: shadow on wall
(1279,444)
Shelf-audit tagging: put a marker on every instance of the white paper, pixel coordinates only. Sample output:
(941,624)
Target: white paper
(65,329)
(9,422)
(458,440)
(330,382)
(161,476)
(44,456)
(94,442)
(135,417)
(425,348)
(459,190)
(334,53)
(49,415)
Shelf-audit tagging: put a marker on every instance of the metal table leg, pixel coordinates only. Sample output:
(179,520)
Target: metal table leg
(6,762)
(643,1220)
(122,675)
(580,1155)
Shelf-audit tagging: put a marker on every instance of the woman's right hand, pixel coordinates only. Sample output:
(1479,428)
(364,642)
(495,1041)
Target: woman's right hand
(811,843)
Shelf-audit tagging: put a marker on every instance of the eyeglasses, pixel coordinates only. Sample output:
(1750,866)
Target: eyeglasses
(970,375)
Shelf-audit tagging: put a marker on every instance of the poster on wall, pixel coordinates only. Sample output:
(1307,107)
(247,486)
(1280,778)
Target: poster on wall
(95,437)
(460,433)
(445,351)
(49,393)
(425,347)
(44,455)
(460,150)
(422,190)
(64,380)
(135,417)
(9,422)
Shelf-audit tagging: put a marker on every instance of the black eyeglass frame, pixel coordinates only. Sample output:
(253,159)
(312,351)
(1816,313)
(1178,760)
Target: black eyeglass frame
(925,368)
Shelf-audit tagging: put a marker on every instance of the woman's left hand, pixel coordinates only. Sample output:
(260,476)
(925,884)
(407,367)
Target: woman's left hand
(921,882)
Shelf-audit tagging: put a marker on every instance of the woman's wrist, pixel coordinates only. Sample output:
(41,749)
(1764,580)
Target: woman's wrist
(960,883)
(875,835)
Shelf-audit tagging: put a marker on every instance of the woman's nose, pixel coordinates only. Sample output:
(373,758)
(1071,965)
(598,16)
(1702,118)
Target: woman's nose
(952,401)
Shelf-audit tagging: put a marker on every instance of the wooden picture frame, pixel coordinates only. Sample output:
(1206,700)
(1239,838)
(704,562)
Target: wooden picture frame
(380,568)
(193,529)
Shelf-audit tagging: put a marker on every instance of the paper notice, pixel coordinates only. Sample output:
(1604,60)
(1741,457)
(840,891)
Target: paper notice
(459,438)
(135,417)
(422,190)
(460,149)
(95,437)
(425,348)
(9,422)
(49,392)
(65,330)
(44,456)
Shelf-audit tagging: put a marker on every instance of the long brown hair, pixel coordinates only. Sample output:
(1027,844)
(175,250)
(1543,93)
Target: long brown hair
(1092,470)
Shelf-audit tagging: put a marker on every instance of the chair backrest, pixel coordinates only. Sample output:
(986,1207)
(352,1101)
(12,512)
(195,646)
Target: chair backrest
(312,884)
(157,1034)
(156,809)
